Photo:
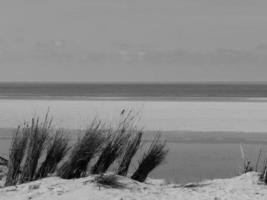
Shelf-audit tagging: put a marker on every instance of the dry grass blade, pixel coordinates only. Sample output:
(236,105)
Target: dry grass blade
(82,153)
(151,159)
(131,149)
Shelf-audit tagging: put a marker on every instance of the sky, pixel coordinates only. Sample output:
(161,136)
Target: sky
(133,40)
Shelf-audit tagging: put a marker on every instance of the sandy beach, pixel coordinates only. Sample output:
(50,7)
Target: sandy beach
(199,116)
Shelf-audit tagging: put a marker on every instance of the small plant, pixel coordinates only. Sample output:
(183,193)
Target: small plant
(16,154)
(155,155)
(108,181)
(247,166)
(82,153)
(57,149)
(131,149)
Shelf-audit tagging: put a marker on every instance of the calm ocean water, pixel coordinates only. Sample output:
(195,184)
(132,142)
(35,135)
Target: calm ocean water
(53,90)
(204,124)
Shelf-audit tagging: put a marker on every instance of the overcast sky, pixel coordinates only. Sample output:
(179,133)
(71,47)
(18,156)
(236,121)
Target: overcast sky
(133,40)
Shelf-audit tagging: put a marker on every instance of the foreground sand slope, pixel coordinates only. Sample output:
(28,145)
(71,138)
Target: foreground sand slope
(244,187)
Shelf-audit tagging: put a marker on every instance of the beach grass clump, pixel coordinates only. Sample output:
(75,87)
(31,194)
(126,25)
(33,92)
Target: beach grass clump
(16,154)
(155,155)
(129,152)
(57,149)
(83,152)
(38,135)
(37,151)
(113,150)
(117,140)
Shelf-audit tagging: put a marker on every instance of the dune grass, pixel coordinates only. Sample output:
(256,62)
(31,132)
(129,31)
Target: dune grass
(56,151)
(16,155)
(37,151)
(155,155)
(130,151)
(38,135)
(113,150)
(27,147)
(83,152)
(116,143)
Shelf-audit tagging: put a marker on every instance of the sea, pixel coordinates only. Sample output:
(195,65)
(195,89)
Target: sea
(205,125)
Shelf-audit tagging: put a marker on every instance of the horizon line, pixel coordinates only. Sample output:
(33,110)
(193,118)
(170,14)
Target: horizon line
(140,82)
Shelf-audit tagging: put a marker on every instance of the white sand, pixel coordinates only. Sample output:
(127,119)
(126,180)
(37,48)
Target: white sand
(245,187)
(164,115)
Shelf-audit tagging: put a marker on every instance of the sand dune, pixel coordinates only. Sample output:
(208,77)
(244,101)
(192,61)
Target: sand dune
(244,187)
